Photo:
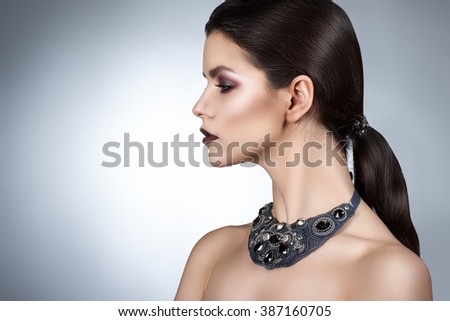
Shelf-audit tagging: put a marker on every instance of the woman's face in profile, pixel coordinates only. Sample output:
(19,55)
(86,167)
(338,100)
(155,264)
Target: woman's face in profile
(237,104)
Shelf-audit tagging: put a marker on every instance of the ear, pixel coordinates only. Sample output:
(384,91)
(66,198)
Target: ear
(301,91)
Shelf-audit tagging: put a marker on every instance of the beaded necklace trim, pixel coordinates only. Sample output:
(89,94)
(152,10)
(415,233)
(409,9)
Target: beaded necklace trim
(273,244)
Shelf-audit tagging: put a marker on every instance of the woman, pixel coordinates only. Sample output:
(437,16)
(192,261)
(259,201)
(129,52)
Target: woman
(285,91)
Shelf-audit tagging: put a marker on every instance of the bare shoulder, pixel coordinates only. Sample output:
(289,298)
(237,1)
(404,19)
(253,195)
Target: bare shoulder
(392,272)
(203,258)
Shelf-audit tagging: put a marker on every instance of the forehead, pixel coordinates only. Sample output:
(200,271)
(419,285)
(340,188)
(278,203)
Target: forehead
(221,51)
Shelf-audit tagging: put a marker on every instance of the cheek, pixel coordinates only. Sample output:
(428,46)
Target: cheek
(250,116)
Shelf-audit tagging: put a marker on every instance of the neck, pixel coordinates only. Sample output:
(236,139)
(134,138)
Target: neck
(306,190)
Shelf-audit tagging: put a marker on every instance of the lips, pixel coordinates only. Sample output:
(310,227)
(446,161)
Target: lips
(208,136)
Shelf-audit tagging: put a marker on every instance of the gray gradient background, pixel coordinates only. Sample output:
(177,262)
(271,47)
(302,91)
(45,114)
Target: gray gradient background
(77,74)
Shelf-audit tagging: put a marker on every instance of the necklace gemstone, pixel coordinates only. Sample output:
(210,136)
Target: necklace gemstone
(339,214)
(268,258)
(274,244)
(274,239)
(323,226)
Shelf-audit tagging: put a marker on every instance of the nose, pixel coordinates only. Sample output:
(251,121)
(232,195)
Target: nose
(201,109)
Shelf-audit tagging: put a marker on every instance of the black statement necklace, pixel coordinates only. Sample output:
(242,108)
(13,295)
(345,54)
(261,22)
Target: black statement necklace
(273,244)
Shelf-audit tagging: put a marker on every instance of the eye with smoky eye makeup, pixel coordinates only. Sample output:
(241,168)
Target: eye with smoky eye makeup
(225,85)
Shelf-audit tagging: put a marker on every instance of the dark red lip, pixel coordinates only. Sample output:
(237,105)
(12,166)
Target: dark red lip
(208,136)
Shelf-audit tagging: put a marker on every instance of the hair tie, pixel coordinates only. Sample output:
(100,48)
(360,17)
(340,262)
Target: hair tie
(360,127)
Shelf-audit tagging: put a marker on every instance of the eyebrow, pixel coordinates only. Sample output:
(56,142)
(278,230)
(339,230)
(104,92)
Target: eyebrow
(215,71)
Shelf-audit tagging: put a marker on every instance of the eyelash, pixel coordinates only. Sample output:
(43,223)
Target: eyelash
(225,87)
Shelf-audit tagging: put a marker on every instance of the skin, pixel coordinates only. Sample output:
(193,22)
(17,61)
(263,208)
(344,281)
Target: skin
(363,261)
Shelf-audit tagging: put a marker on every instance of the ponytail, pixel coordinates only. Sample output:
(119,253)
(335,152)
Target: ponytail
(380,182)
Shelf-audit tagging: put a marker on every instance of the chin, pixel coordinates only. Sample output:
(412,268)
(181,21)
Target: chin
(218,162)
(223,162)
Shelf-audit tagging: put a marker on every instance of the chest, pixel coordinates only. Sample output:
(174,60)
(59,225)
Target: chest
(319,276)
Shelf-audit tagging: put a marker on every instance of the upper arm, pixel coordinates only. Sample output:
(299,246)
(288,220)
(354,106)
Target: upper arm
(396,274)
(199,266)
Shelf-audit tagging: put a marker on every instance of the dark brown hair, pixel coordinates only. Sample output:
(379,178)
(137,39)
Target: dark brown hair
(287,38)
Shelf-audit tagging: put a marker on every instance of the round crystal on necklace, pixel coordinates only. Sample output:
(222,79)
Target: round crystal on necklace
(266,237)
(301,222)
(274,239)
(280,226)
(339,214)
